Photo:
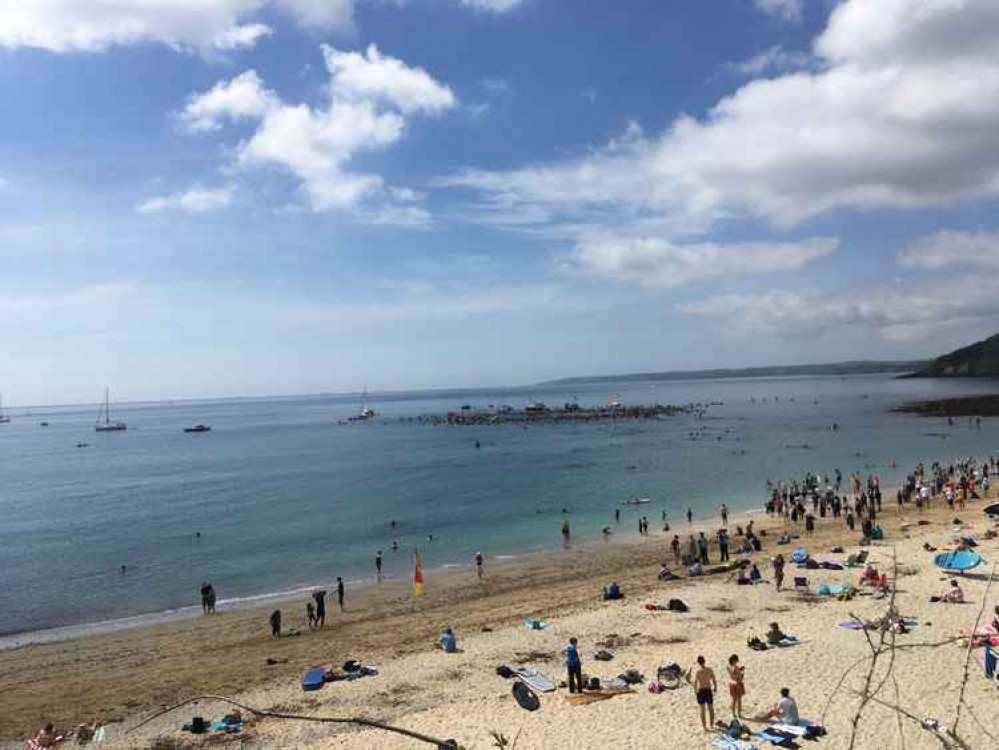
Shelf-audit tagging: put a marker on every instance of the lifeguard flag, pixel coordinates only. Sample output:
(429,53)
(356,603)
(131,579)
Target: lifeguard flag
(417,576)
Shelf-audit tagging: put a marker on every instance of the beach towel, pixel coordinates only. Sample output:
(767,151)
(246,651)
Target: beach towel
(852,625)
(535,624)
(585,699)
(536,680)
(221,726)
(775,738)
(788,641)
(732,744)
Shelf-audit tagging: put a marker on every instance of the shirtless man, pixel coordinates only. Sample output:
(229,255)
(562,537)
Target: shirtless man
(705,686)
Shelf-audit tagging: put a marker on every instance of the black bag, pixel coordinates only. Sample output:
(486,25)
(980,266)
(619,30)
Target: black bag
(603,656)
(504,671)
(198,725)
(525,697)
(676,605)
(632,677)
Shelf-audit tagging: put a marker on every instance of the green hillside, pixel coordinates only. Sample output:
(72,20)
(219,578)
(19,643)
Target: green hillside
(975,361)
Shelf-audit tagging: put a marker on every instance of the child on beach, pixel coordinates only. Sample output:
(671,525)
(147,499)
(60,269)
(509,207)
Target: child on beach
(310,612)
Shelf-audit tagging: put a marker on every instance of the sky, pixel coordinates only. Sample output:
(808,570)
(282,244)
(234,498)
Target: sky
(264,197)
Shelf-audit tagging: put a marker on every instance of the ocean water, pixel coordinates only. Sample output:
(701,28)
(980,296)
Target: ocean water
(286,498)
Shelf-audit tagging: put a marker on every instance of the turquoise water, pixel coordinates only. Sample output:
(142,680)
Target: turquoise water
(285,497)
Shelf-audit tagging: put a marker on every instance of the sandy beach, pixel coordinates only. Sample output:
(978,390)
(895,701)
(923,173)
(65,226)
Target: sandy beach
(126,677)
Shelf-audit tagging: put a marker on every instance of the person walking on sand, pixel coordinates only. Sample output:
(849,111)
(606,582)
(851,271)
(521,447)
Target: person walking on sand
(275,621)
(320,596)
(736,684)
(778,563)
(310,613)
(702,546)
(378,565)
(690,516)
(675,546)
(205,592)
(479,563)
(339,592)
(574,666)
(724,514)
(705,686)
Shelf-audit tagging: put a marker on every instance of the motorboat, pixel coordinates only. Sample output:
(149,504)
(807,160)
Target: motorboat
(199,428)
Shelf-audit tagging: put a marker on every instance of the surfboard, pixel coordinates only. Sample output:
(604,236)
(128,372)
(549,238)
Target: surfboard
(958,560)
(536,680)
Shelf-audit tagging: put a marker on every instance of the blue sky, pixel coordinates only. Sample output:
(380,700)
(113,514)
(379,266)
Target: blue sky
(248,197)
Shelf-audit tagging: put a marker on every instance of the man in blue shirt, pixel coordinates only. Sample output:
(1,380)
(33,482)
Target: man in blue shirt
(574,666)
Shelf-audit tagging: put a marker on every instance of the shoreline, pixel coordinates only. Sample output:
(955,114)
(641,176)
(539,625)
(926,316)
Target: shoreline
(107,676)
(74,631)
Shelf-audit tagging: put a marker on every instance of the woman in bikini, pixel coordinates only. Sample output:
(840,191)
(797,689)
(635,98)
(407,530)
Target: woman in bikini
(736,684)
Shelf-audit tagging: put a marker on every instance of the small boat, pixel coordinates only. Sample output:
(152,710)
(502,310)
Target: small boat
(43,424)
(535,408)
(107,425)
(636,501)
(365,413)
(199,428)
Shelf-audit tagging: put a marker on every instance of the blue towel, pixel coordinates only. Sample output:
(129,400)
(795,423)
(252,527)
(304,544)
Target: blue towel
(773,738)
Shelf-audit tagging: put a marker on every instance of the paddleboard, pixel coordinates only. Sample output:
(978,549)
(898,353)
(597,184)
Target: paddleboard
(536,680)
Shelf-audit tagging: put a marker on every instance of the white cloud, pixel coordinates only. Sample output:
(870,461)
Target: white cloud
(948,249)
(242,36)
(884,125)
(197,200)
(655,262)
(774,58)
(492,6)
(478,109)
(244,97)
(896,313)
(369,97)
(87,26)
(372,77)
(789,10)
(496,85)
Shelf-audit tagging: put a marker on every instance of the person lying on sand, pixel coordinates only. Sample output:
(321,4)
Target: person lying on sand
(786,709)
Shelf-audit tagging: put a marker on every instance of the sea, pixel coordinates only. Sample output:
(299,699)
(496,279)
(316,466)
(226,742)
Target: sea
(286,496)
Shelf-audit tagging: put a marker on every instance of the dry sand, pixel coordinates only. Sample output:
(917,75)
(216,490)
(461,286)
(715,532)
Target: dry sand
(128,675)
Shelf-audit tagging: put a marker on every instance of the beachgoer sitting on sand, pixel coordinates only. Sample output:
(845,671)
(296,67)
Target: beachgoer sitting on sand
(786,709)
(754,574)
(613,592)
(695,570)
(449,644)
(665,574)
(870,576)
(774,634)
(954,595)
(47,737)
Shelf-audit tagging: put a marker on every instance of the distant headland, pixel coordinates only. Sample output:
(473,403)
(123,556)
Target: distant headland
(859,367)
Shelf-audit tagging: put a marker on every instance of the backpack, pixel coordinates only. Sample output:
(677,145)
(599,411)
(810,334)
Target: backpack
(655,687)
(504,671)
(677,605)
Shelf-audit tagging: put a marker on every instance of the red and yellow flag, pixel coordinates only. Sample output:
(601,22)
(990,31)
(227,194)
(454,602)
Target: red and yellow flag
(417,576)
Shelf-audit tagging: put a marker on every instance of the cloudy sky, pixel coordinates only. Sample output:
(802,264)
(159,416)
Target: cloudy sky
(242,197)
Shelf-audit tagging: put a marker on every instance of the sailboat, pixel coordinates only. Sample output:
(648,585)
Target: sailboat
(4,419)
(104,423)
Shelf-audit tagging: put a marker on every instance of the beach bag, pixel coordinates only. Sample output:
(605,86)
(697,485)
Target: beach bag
(593,684)
(677,605)
(504,671)
(525,697)
(198,725)
(351,665)
(603,656)
(632,677)
(655,687)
